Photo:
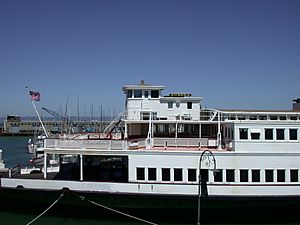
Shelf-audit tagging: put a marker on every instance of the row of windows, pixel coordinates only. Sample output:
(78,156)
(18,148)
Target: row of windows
(254,175)
(142,93)
(261,117)
(245,175)
(165,174)
(189,105)
(268,134)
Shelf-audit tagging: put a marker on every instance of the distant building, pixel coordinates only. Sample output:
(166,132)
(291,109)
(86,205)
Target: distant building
(14,125)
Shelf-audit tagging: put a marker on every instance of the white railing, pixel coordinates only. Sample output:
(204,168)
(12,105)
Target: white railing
(180,142)
(85,144)
(132,144)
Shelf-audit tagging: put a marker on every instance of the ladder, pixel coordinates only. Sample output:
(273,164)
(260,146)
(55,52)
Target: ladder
(113,124)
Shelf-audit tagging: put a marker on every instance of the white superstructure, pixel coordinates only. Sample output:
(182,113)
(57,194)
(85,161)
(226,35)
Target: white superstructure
(257,152)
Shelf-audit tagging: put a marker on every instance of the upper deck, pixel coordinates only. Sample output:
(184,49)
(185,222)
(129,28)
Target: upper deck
(177,122)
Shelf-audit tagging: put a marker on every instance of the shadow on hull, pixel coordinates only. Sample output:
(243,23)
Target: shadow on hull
(157,209)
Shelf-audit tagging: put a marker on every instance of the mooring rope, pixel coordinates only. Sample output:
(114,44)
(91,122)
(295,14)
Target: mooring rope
(113,210)
(32,221)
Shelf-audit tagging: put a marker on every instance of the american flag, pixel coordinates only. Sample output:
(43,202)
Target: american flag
(35,95)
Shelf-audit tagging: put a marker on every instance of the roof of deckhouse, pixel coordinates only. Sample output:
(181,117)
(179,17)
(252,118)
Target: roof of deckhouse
(143,86)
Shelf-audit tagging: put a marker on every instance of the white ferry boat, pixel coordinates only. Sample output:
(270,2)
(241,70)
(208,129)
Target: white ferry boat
(177,158)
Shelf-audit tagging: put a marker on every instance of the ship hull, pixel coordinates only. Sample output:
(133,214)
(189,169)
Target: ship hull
(156,208)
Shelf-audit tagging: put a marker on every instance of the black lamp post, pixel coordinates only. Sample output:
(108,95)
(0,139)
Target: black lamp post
(210,161)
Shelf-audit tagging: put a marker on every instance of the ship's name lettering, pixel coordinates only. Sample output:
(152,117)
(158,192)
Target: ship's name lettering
(180,95)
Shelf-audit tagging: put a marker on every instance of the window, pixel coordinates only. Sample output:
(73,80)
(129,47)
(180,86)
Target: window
(230,175)
(269,175)
(273,118)
(154,94)
(293,134)
(177,104)
(255,175)
(177,174)
(146,94)
(255,136)
(279,134)
(280,175)
(243,133)
(262,117)
(151,173)
(137,93)
(282,117)
(218,176)
(189,105)
(244,176)
(145,115)
(170,105)
(192,175)
(129,94)
(269,134)
(294,176)
(140,173)
(166,174)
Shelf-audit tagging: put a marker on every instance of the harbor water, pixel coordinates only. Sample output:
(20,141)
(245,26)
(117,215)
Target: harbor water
(15,153)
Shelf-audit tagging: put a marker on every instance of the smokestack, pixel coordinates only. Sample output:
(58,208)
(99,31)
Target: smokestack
(296,104)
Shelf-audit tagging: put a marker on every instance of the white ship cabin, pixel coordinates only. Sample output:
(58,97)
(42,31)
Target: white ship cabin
(177,121)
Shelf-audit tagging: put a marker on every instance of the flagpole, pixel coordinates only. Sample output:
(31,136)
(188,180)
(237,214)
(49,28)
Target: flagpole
(38,115)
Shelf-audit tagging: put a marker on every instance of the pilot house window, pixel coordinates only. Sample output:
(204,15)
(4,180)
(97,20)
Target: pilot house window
(129,94)
(189,105)
(154,94)
(137,93)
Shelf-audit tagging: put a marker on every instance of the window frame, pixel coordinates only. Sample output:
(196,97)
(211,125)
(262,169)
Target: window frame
(178,172)
(152,174)
(245,135)
(142,173)
(164,175)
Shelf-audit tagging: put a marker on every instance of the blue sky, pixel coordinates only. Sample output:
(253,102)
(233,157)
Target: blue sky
(234,53)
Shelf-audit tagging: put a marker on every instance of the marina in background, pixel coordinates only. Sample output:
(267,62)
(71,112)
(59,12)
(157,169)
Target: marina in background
(18,126)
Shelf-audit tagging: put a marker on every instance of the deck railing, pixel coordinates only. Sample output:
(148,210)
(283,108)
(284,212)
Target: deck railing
(84,144)
(133,144)
(180,142)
